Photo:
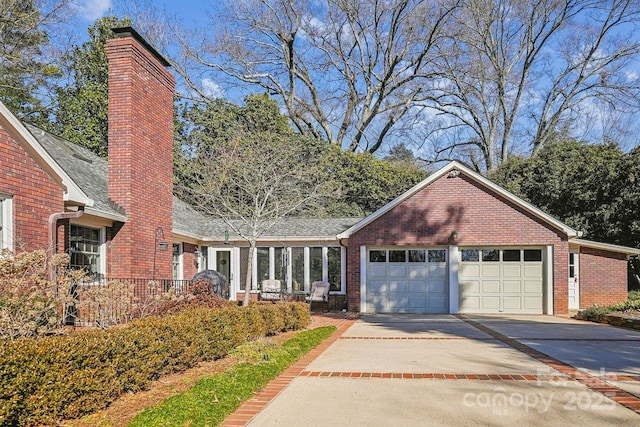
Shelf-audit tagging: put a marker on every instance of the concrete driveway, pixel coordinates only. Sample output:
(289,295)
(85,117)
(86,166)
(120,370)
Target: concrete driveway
(410,370)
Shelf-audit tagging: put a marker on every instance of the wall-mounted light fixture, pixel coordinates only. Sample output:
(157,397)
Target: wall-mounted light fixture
(158,241)
(226,237)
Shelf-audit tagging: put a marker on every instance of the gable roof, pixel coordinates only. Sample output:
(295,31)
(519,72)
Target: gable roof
(455,166)
(605,247)
(18,131)
(86,169)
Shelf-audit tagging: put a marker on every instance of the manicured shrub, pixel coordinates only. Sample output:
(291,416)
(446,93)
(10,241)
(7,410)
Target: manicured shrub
(63,377)
(30,304)
(595,313)
(634,295)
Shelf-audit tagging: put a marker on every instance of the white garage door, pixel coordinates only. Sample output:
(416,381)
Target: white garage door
(407,281)
(501,280)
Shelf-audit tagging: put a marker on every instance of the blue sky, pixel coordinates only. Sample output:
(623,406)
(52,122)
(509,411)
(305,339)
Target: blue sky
(189,10)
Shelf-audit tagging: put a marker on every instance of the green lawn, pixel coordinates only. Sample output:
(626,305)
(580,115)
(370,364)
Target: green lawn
(214,398)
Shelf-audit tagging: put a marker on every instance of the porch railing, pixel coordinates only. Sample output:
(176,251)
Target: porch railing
(109,301)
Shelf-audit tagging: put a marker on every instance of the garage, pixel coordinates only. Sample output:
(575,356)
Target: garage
(508,280)
(407,281)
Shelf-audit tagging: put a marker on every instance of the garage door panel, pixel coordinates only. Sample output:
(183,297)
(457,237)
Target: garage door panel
(490,302)
(417,301)
(397,286)
(532,303)
(512,303)
(401,287)
(512,286)
(377,303)
(533,270)
(417,286)
(436,302)
(397,303)
(470,303)
(490,286)
(490,270)
(397,271)
(437,271)
(377,270)
(417,271)
(377,286)
(512,270)
(533,287)
(469,270)
(437,287)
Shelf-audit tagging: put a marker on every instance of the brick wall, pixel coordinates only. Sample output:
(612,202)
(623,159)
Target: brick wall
(602,277)
(140,158)
(35,195)
(478,216)
(189,261)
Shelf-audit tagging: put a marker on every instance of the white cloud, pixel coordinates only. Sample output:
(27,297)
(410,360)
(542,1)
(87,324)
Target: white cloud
(212,89)
(92,9)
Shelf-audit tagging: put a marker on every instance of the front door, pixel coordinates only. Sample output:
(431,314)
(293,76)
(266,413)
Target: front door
(225,261)
(574,285)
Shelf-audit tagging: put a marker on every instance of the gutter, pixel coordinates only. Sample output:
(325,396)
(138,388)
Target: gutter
(53,232)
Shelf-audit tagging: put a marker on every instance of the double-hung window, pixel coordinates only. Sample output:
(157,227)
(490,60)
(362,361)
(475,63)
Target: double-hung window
(85,249)
(6,223)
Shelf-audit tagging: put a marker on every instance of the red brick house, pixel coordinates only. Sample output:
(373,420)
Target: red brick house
(454,243)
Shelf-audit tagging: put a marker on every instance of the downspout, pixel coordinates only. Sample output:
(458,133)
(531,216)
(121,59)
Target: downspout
(53,232)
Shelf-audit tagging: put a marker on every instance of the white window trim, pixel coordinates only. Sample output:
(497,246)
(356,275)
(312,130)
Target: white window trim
(180,261)
(307,266)
(102,246)
(7,222)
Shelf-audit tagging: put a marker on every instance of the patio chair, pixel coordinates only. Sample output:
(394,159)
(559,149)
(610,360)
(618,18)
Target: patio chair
(271,290)
(319,293)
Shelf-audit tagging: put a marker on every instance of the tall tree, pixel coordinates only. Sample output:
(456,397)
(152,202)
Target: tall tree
(347,72)
(249,173)
(25,68)
(367,182)
(81,103)
(527,69)
(593,188)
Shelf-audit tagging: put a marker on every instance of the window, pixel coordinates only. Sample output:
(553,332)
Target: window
(418,255)
(490,255)
(262,261)
(204,258)
(177,270)
(511,255)
(6,223)
(397,256)
(334,266)
(84,248)
(470,255)
(438,255)
(533,255)
(280,263)
(315,264)
(297,269)
(377,256)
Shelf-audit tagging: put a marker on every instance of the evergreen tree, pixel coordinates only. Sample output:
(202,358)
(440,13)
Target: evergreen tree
(81,104)
(24,72)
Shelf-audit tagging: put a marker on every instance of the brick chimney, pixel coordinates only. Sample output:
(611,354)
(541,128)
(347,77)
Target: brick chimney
(140,157)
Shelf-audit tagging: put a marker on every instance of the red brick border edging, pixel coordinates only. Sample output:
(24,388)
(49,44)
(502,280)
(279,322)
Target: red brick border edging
(251,407)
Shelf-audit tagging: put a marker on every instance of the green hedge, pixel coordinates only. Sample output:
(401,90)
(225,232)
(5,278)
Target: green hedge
(596,313)
(43,381)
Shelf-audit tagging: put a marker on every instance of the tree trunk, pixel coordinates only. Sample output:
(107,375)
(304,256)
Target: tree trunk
(247,283)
